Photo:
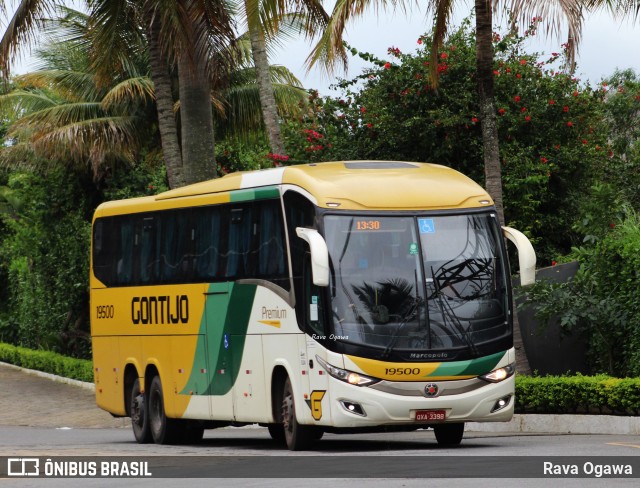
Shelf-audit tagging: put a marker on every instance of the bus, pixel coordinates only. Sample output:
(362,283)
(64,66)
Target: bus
(351,296)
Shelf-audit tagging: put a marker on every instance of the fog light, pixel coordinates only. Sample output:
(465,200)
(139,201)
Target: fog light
(353,407)
(501,403)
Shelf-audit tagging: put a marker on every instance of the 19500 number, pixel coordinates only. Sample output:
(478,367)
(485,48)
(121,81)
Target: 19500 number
(401,371)
(105,311)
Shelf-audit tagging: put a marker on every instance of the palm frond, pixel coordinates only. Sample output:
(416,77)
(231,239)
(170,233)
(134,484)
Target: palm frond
(22,30)
(69,85)
(619,9)
(306,17)
(290,99)
(554,14)
(116,38)
(282,75)
(18,102)
(442,14)
(56,116)
(129,92)
(95,141)
(330,51)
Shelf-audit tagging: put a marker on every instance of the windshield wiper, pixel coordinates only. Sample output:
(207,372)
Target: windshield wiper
(394,338)
(454,322)
(352,303)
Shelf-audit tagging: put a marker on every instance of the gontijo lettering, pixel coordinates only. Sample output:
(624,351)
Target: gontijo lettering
(160,309)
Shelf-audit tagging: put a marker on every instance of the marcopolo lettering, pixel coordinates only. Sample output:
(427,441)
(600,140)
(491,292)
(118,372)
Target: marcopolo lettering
(163,309)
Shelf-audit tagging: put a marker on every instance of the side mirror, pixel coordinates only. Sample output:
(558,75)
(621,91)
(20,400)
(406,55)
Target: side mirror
(319,255)
(526,255)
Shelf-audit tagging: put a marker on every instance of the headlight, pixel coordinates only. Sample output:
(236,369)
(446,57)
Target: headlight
(500,374)
(350,377)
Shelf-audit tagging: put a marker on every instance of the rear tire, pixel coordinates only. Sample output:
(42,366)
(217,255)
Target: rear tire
(139,414)
(449,434)
(163,429)
(297,437)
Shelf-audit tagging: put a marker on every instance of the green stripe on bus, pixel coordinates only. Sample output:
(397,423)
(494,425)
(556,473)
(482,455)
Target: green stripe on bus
(473,367)
(232,345)
(254,194)
(221,338)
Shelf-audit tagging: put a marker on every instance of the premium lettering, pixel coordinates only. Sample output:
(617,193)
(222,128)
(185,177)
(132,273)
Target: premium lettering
(273,313)
(163,309)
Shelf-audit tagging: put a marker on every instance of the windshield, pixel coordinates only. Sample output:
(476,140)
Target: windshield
(417,283)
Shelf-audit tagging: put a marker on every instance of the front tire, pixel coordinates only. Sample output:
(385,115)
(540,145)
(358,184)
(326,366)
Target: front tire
(297,437)
(140,414)
(163,430)
(449,434)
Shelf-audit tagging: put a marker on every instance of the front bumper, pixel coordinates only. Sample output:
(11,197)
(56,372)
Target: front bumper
(395,403)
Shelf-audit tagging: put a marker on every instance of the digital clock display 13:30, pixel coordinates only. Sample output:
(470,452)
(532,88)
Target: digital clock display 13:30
(368,225)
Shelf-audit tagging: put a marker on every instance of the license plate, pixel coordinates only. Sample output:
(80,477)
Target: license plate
(430,416)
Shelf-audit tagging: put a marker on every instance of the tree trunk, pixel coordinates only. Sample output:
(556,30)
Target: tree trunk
(164,105)
(484,73)
(265,88)
(490,142)
(196,121)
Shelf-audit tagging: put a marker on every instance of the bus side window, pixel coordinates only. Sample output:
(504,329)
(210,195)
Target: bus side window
(147,249)
(272,263)
(240,238)
(125,253)
(175,248)
(207,237)
(105,245)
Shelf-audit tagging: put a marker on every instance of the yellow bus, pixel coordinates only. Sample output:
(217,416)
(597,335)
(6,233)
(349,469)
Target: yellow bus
(347,296)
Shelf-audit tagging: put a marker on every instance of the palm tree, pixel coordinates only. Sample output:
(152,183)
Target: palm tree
(62,112)
(238,108)
(183,37)
(184,32)
(66,96)
(265,19)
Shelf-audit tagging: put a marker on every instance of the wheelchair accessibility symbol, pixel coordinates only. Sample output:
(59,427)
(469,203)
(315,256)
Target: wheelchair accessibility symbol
(426,226)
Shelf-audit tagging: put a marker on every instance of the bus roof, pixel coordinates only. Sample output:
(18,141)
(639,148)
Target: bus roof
(352,185)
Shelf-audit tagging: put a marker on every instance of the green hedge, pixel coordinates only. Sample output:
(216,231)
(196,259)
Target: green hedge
(49,362)
(534,394)
(578,394)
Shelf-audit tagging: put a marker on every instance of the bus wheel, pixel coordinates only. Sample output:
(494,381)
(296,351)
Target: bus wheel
(449,434)
(163,430)
(139,414)
(297,437)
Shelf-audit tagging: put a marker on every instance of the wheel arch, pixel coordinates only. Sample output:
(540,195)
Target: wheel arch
(129,377)
(278,377)
(150,371)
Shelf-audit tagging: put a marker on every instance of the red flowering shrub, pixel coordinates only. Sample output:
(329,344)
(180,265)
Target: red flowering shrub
(396,114)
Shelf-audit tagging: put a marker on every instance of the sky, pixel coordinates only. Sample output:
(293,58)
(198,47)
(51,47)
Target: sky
(606,44)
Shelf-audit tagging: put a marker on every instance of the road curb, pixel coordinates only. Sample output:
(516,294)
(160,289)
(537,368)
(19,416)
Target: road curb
(562,424)
(52,377)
